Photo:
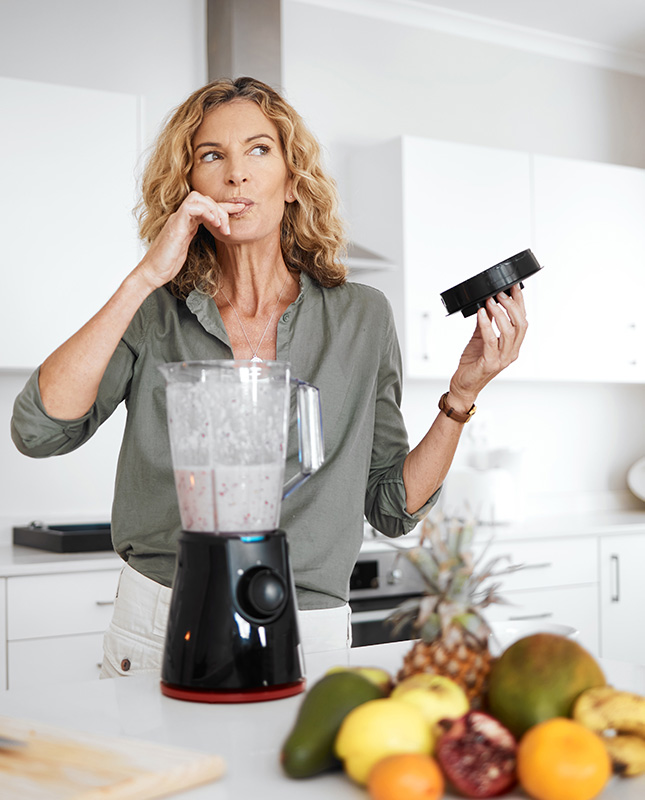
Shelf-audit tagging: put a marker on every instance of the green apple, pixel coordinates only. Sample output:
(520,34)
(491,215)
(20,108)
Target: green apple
(379,677)
(436,696)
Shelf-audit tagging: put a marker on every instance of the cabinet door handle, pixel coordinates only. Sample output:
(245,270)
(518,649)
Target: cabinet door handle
(614,578)
(543,565)
(546,615)
(105,602)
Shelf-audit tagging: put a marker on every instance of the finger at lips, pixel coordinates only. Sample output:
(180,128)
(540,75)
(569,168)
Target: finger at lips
(211,213)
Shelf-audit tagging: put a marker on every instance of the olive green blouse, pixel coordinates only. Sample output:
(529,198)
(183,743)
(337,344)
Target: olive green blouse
(341,340)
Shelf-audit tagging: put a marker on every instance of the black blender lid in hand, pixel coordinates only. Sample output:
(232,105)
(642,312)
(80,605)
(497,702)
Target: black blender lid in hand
(472,294)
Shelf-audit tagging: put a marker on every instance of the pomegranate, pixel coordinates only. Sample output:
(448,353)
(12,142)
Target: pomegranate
(477,755)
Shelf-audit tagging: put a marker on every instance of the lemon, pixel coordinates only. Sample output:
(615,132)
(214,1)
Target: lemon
(377,729)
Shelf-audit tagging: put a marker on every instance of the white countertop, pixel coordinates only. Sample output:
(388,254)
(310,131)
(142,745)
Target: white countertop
(604,523)
(249,736)
(17,560)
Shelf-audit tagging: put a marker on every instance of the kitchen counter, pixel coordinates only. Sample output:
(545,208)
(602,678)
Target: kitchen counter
(18,560)
(248,736)
(602,523)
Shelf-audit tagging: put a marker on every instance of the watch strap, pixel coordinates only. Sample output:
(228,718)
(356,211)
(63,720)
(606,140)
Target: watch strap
(457,416)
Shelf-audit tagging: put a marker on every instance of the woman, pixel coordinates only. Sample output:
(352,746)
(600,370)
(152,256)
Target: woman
(245,262)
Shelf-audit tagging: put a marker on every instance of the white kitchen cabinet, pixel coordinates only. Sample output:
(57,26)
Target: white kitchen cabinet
(589,234)
(442,212)
(55,625)
(573,605)
(3,633)
(546,562)
(622,597)
(68,158)
(558,582)
(57,605)
(52,660)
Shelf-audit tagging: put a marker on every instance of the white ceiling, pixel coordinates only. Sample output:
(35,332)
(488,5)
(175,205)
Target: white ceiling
(616,24)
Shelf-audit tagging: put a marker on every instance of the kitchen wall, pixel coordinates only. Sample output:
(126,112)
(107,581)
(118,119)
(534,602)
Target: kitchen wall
(155,49)
(360,80)
(356,80)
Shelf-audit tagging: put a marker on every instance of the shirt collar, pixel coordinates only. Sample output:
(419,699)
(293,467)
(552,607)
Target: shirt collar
(205,309)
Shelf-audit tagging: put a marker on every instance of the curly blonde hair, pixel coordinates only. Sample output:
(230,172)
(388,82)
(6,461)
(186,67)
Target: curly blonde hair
(312,234)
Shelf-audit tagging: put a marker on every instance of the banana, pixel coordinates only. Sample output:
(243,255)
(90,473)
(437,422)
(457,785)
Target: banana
(627,753)
(604,708)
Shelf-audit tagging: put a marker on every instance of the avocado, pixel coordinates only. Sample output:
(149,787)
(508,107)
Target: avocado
(309,747)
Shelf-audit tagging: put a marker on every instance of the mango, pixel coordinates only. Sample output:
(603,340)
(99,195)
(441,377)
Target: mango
(539,677)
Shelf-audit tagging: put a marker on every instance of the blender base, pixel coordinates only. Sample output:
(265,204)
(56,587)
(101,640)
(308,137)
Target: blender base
(233,696)
(232,634)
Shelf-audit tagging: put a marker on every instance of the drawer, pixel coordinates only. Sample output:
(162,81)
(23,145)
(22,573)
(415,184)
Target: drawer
(60,659)
(3,634)
(576,606)
(547,562)
(57,605)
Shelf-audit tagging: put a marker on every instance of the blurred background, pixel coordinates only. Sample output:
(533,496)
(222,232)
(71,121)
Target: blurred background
(86,86)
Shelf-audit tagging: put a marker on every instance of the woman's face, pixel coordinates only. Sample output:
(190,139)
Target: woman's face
(238,157)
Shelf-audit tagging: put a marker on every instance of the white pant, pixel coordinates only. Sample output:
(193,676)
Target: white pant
(134,642)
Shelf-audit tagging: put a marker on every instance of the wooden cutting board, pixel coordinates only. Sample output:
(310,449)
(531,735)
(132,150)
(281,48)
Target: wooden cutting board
(57,763)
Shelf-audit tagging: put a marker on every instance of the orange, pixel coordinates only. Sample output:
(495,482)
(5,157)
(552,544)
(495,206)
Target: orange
(561,760)
(412,776)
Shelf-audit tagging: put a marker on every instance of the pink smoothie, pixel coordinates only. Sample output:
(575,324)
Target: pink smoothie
(195,495)
(247,498)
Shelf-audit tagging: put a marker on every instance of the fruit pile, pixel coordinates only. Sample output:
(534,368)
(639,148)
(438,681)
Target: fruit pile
(540,715)
(548,722)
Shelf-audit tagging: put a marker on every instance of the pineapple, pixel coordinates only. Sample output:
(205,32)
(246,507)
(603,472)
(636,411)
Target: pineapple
(448,619)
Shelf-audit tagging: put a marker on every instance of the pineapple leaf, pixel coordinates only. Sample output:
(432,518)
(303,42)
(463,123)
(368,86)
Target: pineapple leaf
(474,624)
(403,614)
(458,586)
(427,567)
(427,609)
(430,629)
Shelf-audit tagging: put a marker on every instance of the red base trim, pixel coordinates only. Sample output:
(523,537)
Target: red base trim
(233,695)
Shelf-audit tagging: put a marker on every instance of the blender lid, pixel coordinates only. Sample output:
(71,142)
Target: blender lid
(472,294)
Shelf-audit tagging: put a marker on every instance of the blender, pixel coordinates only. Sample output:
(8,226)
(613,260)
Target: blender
(232,632)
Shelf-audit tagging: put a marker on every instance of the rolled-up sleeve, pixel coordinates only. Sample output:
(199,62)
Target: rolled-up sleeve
(385,499)
(39,435)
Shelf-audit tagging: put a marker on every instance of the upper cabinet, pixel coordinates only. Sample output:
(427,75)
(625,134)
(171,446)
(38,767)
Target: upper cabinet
(442,212)
(67,169)
(590,233)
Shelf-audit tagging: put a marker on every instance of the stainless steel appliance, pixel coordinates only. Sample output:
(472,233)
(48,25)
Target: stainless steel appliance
(382,579)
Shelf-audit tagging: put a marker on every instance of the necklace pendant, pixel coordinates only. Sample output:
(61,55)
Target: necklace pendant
(257,359)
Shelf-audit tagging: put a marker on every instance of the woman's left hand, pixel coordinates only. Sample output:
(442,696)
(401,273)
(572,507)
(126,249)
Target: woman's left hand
(490,351)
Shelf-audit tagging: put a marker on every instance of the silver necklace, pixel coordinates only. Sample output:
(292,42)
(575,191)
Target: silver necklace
(254,351)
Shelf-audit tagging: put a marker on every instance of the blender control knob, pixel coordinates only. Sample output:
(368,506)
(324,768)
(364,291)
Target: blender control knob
(265,593)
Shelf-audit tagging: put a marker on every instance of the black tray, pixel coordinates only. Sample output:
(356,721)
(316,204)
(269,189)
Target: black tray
(65,538)
(472,294)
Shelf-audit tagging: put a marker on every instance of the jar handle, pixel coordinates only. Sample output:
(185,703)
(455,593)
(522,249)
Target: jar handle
(311,453)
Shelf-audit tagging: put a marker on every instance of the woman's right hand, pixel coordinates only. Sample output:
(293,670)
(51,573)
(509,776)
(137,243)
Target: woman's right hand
(167,253)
